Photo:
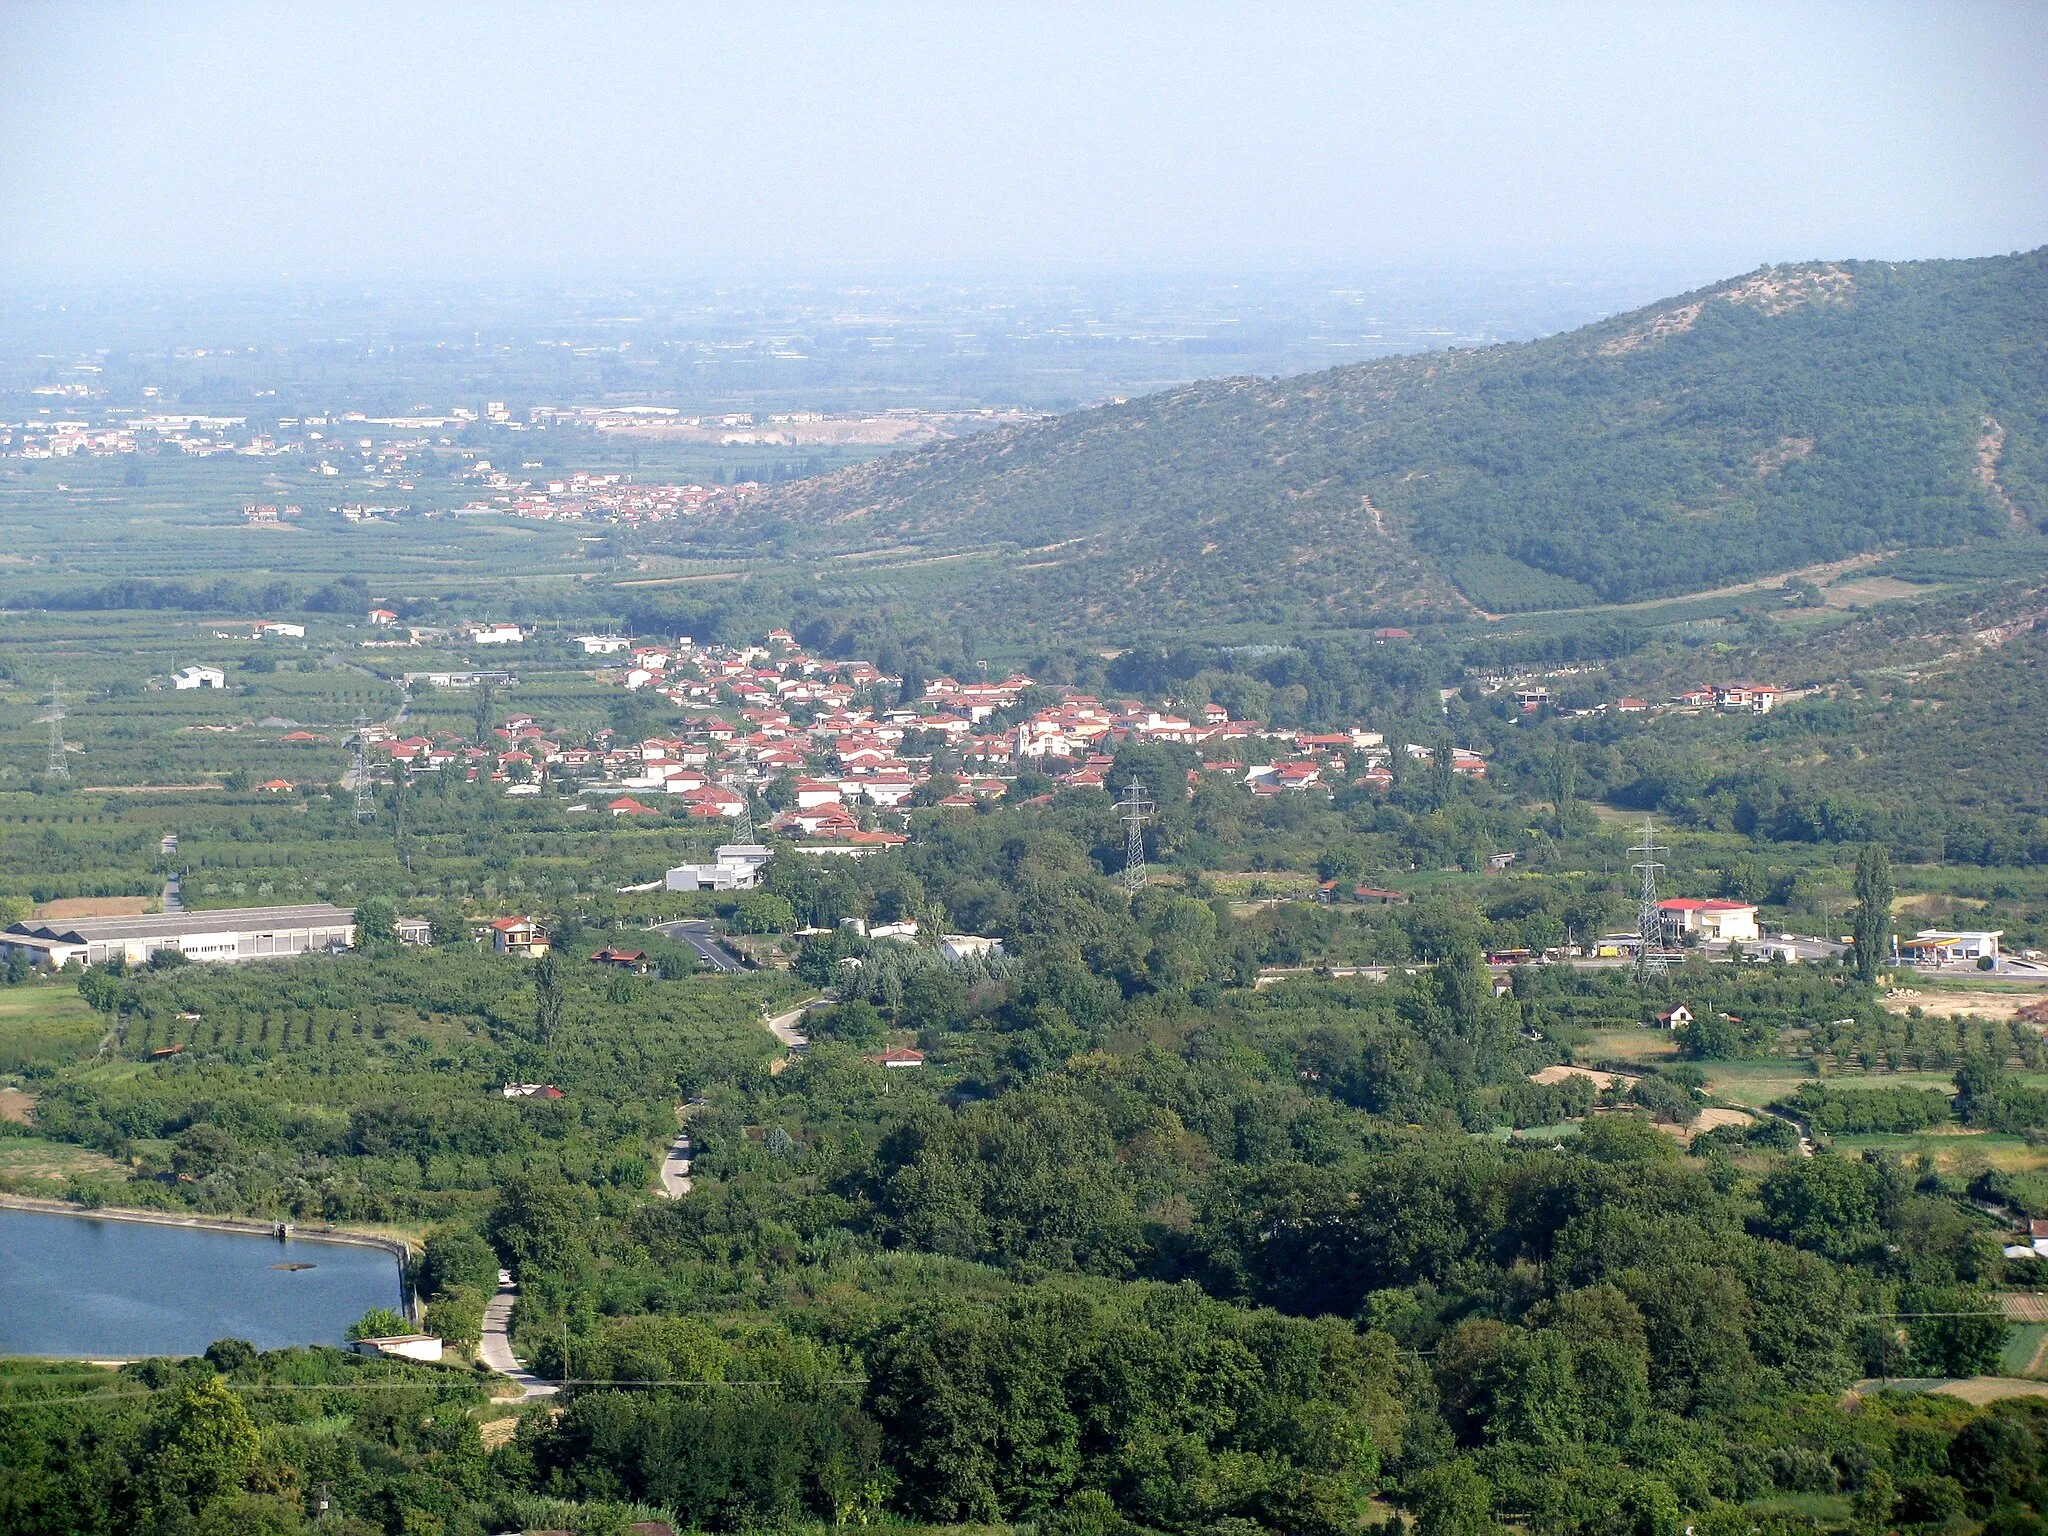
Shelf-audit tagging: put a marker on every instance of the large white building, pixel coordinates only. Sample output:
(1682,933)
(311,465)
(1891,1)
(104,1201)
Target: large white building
(735,867)
(227,934)
(199,677)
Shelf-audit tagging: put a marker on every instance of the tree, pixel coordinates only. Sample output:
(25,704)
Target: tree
(764,912)
(1442,777)
(376,931)
(199,1446)
(1451,1500)
(1873,917)
(537,1221)
(856,1023)
(481,712)
(379,1323)
(1561,779)
(456,1258)
(547,996)
(230,1355)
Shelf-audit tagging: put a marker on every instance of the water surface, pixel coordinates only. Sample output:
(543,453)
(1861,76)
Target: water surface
(83,1286)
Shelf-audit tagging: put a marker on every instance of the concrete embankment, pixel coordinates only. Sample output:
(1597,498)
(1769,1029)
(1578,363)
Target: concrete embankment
(397,1247)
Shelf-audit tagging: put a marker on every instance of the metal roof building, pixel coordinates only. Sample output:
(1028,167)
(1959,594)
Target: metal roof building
(226,934)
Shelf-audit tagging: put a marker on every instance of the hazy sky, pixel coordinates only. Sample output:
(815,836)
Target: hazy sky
(471,141)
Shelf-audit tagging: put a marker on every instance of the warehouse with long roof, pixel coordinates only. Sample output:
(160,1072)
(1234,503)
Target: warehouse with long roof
(224,935)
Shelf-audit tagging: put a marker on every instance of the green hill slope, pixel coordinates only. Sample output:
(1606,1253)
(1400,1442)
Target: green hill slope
(1794,415)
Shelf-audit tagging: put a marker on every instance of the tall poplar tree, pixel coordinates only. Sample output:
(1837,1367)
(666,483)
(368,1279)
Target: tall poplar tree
(1873,918)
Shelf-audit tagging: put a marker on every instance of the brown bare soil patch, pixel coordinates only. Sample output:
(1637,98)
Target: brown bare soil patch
(17,1106)
(1709,1120)
(1990,449)
(1602,1080)
(1991,1389)
(1997,1006)
(1869,589)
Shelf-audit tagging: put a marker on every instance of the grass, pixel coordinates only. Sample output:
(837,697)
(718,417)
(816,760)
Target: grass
(1953,1149)
(1631,1045)
(2021,1346)
(1828,1508)
(44,1026)
(30,1159)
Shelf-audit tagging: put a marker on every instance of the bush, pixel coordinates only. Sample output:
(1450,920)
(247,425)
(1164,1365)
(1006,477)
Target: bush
(378,1323)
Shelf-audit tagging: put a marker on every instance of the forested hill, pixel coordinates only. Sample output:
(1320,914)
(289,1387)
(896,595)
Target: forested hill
(1793,415)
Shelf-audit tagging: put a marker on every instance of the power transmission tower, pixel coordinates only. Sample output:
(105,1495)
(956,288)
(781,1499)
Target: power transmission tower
(1649,916)
(366,804)
(1132,811)
(58,766)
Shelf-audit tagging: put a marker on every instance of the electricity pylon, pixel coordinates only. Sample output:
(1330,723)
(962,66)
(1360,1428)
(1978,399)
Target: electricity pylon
(366,804)
(1649,916)
(58,766)
(1132,811)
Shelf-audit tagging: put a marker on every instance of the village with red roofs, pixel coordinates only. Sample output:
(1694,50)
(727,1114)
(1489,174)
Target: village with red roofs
(847,755)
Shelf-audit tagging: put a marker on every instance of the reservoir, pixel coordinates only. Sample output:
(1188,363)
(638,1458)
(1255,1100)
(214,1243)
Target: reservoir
(79,1286)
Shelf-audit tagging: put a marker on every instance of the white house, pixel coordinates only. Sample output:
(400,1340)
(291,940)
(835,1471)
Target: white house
(496,634)
(281,629)
(602,645)
(1724,921)
(812,793)
(200,677)
(734,867)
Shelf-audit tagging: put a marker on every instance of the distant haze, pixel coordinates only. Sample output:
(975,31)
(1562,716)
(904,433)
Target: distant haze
(362,140)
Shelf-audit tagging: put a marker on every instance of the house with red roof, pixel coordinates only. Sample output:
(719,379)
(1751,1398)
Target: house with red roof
(518,936)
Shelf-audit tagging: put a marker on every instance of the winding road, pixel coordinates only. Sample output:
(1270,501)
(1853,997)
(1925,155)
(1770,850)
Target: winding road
(496,1344)
(784,1025)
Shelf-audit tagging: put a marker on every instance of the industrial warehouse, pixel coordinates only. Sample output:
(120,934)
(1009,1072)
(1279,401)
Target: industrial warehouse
(229,934)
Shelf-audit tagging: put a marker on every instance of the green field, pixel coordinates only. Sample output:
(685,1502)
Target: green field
(44,1026)
(27,1161)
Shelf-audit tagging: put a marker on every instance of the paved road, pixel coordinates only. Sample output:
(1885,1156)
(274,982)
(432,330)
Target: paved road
(696,932)
(496,1347)
(173,898)
(784,1025)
